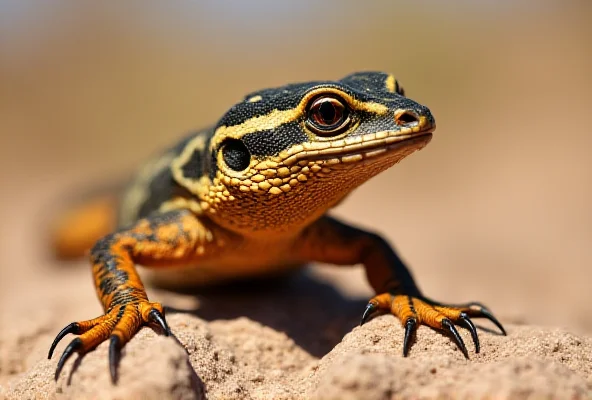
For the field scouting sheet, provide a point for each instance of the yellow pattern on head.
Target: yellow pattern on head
(193, 185)
(254, 99)
(277, 118)
(390, 83)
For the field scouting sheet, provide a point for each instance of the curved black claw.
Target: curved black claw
(70, 349)
(447, 325)
(71, 328)
(156, 317)
(465, 321)
(370, 308)
(114, 355)
(484, 312)
(410, 327)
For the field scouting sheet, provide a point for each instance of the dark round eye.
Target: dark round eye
(327, 115)
(236, 155)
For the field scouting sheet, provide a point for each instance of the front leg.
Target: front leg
(331, 241)
(173, 238)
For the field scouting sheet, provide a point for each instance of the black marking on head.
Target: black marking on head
(213, 167)
(193, 169)
(199, 164)
(363, 86)
(367, 82)
(281, 99)
(367, 87)
(271, 142)
(284, 98)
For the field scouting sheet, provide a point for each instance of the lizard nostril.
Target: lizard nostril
(406, 118)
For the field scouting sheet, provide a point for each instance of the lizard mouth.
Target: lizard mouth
(363, 147)
(373, 149)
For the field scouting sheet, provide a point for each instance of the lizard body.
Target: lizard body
(249, 196)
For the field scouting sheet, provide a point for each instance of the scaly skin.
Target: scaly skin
(249, 196)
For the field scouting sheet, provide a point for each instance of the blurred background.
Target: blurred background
(497, 208)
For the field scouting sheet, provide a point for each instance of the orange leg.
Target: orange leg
(168, 239)
(331, 241)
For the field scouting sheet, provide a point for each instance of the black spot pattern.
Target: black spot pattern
(193, 169)
(369, 82)
(271, 142)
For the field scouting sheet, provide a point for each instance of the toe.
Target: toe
(482, 312)
(76, 328)
(473, 310)
(157, 318)
(70, 328)
(114, 356)
(448, 326)
(371, 307)
(74, 346)
(466, 322)
(410, 328)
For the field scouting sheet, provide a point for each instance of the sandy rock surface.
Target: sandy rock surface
(297, 340)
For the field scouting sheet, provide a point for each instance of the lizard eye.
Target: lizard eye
(327, 116)
(236, 155)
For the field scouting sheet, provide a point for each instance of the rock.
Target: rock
(243, 359)
(529, 363)
(295, 340)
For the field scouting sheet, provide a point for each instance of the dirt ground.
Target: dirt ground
(495, 209)
(282, 339)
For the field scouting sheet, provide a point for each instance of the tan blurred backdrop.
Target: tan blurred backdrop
(496, 208)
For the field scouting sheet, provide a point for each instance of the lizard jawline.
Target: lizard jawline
(372, 149)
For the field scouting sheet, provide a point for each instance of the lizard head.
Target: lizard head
(281, 157)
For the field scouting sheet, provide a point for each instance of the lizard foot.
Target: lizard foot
(119, 324)
(414, 311)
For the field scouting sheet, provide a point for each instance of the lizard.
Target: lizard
(250, 196)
